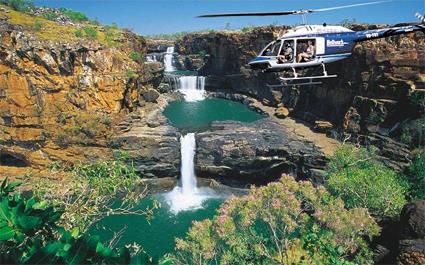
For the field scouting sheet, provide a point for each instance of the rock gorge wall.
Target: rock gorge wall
(60, 100)
(376, 97)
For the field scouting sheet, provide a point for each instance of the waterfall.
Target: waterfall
(187, 196)
(188, 178)
(192, 87)
(168, 60)
(151, 58)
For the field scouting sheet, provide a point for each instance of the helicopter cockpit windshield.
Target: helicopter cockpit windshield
(272, 49)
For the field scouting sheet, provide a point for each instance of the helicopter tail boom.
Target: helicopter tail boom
(386, 32)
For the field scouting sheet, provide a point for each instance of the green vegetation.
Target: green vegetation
(19, 5)
(50, 15)
(285, 222)
(84, 128)
(91, 193)
(247, 29)
(203, 53)
(90, 32)
(416, 177)
(135, 56)
(356, 177)
(131, 74)
(29, 234)
(38, 25)
(74, 15)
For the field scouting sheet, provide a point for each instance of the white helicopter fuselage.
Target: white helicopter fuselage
(327, 44)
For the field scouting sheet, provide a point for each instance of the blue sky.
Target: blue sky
(149, 17)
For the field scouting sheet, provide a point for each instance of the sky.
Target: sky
(150, 17)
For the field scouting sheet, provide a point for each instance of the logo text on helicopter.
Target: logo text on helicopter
(336, 43)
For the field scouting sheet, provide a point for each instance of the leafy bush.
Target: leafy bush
(78, 33)
(50, 15)
(19, 5)
(38, 25)
(361, 181)
(416, 177)
(90, 32)
(135, 56)
(29, 234)
(84, 128)
(285, 222)
(74, 15)
(203, 53)
(97, 189)
(247, 29)
(131, 73)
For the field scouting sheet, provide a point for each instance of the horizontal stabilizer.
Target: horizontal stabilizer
(421, 17)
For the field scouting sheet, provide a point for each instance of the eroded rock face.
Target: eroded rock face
(255, 152)
(412, 234)
(44, 84)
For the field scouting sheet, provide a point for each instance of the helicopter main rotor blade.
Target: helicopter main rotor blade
(348, 6)
(294, 12)
(250, 14)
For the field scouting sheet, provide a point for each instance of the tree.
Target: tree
(285, 222)
(361, 181)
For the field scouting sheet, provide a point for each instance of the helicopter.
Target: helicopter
(308, 46)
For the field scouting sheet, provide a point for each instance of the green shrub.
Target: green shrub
(135, 56)
(29, 234)
(38, 26)
(131, 73)
(84, 128)
(74, 15)
(90, 32)
(78, 33)
(19, 5)
(50, 15)
(203, 53)
(285, 222)
(247, 29)
(416, 177)
(361, 181)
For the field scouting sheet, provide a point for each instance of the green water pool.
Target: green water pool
(158, 235)
(198, 115)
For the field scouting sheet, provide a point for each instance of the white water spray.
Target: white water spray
(192, 87)
(187, 196)
(168, 60)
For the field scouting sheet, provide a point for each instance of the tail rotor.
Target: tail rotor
(420, 17)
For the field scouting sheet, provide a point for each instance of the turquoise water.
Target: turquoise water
(158, 236)
(198, 115)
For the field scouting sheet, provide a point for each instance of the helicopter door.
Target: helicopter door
(306, 50)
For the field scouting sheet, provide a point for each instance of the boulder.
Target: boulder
(281, 112)
(256, 152)
(322, 126)
(412, 220)
(150, 95)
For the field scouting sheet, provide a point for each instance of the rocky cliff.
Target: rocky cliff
(377, 97)
(60, 99)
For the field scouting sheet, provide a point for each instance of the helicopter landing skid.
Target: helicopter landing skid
(307, 77)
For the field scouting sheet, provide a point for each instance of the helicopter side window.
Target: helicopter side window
(272, 49)
(306, 50)
(286, 54)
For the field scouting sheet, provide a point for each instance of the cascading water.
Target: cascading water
(168, 60)
(187, 195)
(192, 87)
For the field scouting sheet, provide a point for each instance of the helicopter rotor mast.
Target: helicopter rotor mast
(302, 12)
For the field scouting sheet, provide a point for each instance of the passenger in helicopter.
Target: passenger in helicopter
(287, 53)
(308, 54)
